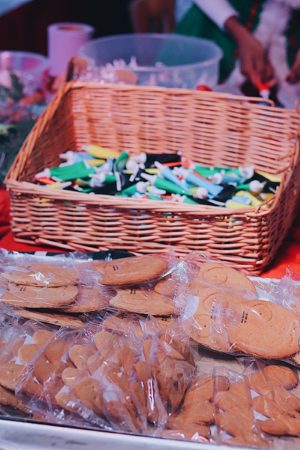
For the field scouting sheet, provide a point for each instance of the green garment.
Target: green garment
(196, 23)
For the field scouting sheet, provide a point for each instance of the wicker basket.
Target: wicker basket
(212, 129)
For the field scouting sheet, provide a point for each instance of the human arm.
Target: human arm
(253, 58)
(294, 75)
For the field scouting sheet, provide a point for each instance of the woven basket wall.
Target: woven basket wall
(208, 128)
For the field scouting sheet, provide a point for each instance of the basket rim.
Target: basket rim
(24, 187)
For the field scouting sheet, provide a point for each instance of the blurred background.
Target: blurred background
(23, 23)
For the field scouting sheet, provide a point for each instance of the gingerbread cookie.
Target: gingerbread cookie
(13, 376)
(203, 320)
(39, 339)
(88, 392)
(227, 324)
(167, 286)
(262, 380)
(56, 350)
(66, 399)
(123, 325)
(173, 378)
(59, 320)
(89, 299)
(133, 271)
(175, 347)
(214, 275)
(31, 354)
(279, 406)
(263, 329)
(71, 376)
(42, 275)
(235, 415)
(36, 297)
(9, 399)
(172, 372)
(201, 392)
(143, 302)
(80, 353)
(155, 410)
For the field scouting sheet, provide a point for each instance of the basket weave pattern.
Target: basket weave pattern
(208, 128)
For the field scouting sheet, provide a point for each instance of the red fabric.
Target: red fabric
(288, 256)
(7, 242)
(4, 212)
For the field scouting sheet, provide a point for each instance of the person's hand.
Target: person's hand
(253, 57)
(294, 75)
(153, 15)
(254, 61)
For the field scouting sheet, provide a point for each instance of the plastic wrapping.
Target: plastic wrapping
(143, 285)
(234, 412)
(136, 366)
(223, 312)
(61, 284)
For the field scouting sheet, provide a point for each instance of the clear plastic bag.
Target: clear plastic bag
(142, 371)
(224, 313)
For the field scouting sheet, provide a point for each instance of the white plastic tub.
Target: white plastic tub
(167, 60)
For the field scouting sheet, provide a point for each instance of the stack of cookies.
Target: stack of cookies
(52, 293)
(55, 294)
(140, 375)
(123, 374)
(139, 285)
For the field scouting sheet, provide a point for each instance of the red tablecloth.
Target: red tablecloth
(288, 255)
